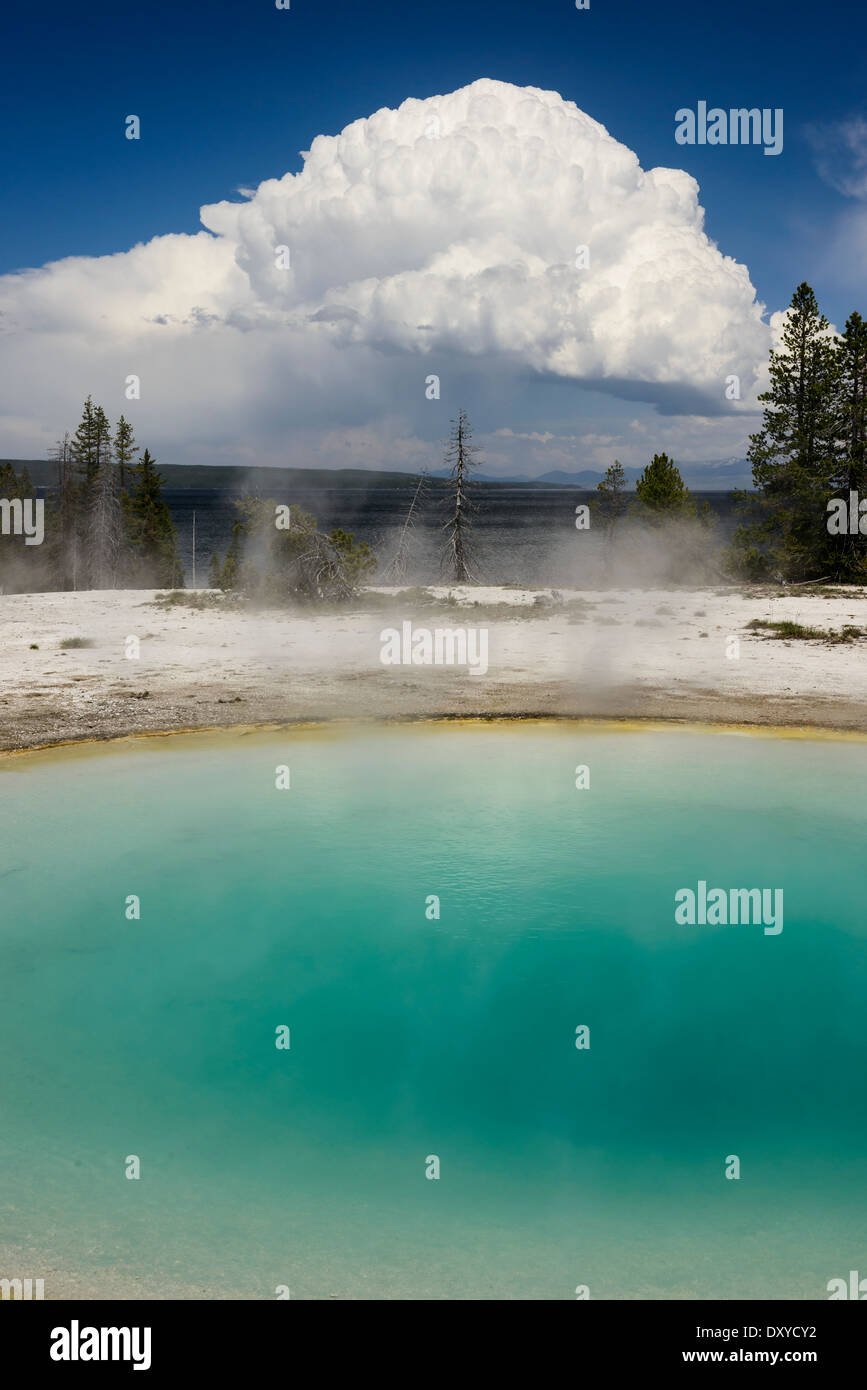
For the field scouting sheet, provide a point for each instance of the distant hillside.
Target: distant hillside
(717, 475)
(242, 478)
(43, 472)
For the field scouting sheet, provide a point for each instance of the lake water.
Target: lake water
(413, 1036)
(521, 535)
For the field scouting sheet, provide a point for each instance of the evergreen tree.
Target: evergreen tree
(103, 451)
(89, 450)
(295, 563)
(83, 448)
(151, 530)
(91, 444)
(230, 571)
(358, 561)
(215, 572)
(125, 449)
(23, 568)
(852, 380)
(612, 502)
(462, 458)
(65, 544)
(662, 491)
(799, 428)
(848, 558)
(794, 455)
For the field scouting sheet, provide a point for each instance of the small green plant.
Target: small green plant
(68, 642)
(185, 598)
(785, 628)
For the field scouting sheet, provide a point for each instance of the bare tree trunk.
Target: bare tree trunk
(397, 568)
(106, 528)
(462, 457)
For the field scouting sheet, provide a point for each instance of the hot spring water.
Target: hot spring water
(505, 1069)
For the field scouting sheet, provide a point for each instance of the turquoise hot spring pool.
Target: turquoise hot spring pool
(432, 911)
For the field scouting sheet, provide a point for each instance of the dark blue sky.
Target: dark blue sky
(229, 91)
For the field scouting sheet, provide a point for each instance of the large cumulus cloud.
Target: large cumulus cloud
(445, 230)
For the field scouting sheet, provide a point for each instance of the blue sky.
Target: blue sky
(230, 93)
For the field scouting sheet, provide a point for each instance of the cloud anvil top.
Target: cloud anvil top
(497, 224)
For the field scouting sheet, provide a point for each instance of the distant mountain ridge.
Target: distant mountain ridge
(709, 474)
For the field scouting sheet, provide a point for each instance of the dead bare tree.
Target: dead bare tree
(462, 458)
(320, 570)
(106, 526)
(396, 571)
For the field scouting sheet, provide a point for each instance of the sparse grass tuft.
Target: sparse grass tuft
(69, 642)
(185, 598)
(786, 629)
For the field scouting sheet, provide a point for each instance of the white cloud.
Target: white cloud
(685, 438)
(840, 153)
(533, 435)
(409, 255)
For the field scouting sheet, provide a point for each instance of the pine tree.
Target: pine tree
(83, 448)
(230, 571)
(848, 558)
(299, 563)
(852, 364)
(357, 560)
(612, 503)
(23, 568)
(151, 530)
(125, 449)
(662, 491)
(66, 541)
(794, 455)
(799, 427)
(91, 444)
(103, 452)
(462, 458)
(90, 449)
